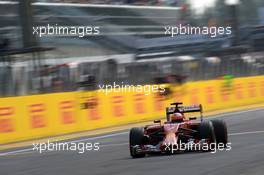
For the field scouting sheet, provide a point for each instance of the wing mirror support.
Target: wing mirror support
(192, 118)
(157, 121)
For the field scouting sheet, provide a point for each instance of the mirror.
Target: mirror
(192, 118)
(157, 121)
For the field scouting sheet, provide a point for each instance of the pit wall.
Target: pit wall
(37, 116)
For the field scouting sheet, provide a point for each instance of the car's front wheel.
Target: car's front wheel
(206, 132)
(136, 137)
(220, 130)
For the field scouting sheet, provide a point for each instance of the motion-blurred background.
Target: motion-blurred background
(131, 47)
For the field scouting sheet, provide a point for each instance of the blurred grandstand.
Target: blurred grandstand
(131, 47)
(119, 2)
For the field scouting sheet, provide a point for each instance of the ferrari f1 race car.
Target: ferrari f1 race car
(178, 134)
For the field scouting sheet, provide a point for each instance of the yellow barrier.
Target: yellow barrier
(28, 117)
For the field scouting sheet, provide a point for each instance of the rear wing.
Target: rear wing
(192, 108)
(183, 109)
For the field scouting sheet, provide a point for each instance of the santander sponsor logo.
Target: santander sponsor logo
(170, 130)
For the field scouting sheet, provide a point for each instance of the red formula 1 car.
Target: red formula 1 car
(178, 133)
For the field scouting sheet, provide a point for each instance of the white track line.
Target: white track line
(28, 150)
(99, 137)
(114, 144)
(232, 134)
(235, 113)
(245, 133)
(15, 152)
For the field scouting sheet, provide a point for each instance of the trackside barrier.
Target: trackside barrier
(28, 117)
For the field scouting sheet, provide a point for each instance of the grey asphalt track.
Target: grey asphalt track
(246, 156)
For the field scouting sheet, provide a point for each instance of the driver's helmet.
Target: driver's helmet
(177, 117)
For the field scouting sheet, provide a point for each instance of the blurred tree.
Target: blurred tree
(248, 12)
(207, 16)
(220, 12)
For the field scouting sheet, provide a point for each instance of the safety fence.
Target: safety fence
(37, 116)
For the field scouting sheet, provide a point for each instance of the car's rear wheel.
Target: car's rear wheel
(206, 131)
(136, 137)
(220, 131)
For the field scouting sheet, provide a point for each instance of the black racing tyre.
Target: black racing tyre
(206, 131)
(136, 137)
(220, 131)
